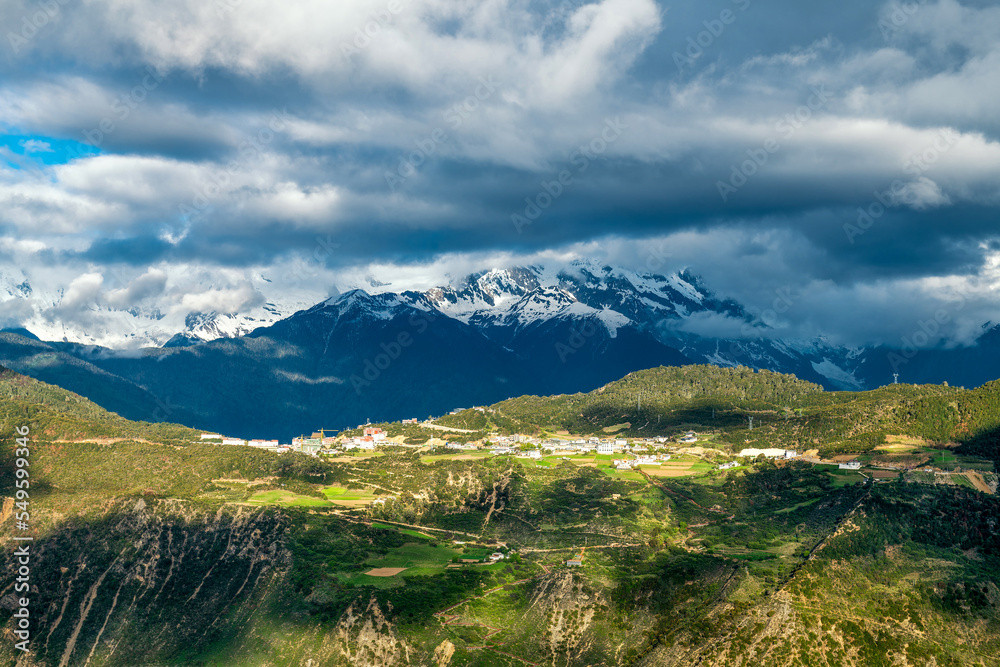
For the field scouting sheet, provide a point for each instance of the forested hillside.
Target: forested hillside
(151, 548)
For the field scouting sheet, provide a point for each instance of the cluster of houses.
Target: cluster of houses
(306, 446)
(511, 444)
(371, 436)
(769, 453)
(645, 460)
(311, 445)
(752, 453)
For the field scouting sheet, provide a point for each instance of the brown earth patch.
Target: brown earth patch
(385, 571)
(978, 482)
(674, 471)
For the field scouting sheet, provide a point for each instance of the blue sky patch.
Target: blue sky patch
(20, 150)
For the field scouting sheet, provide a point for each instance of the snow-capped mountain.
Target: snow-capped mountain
(521, 308)
(375, 353)
(640, 297)
(98, 312)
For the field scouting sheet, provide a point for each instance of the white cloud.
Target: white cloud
(35, 146)
(149, 285)
(224, 300)
(83, 293)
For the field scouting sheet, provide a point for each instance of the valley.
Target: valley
(439, 551)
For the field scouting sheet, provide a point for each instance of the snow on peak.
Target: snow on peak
(495, 294)
(545, 303)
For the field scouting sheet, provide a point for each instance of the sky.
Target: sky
(167, 155)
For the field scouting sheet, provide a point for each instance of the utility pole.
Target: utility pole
(750, 419)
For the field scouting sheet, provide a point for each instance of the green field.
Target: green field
(797, 506)
(286, 499)
(845, 478)
(340, 495)
(458, 456)
(403, 531)
(419, 558)
(962, 480)
(630, 475)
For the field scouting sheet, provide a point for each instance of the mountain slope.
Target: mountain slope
(172, 552)
(522, 330)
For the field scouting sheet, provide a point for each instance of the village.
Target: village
(646, 451)
(634, 452)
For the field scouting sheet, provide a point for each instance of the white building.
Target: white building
(605, 448)
(727, 466)
(233, 441)
(211, 436)
(850, 465)
(264, 444)
(768, 453)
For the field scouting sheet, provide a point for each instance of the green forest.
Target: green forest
(153, 548)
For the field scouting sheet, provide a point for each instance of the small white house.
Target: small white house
(850, 465)
(768, 453)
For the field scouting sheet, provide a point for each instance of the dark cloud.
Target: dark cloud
(768, 130)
